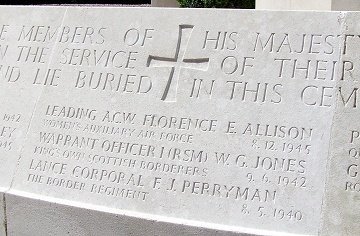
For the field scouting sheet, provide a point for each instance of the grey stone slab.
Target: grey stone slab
(145, 141)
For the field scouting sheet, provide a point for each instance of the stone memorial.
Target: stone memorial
(121, 121)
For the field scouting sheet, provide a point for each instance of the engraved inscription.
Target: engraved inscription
(244, 138)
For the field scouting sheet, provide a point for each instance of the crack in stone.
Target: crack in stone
(5, 215)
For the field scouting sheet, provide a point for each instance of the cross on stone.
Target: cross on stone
(177, 63)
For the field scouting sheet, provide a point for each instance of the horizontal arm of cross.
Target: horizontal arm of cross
(160, 62)
(196, 64)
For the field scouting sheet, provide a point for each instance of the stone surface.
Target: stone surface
(16, 77)
(341, 210)
(53, 219)
(128, 167)
(164, 3)
(221, 121)
(327, 5)
(16, 93)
